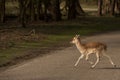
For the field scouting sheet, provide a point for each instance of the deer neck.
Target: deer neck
(80, 46)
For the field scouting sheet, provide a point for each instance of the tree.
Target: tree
(113, 7)
(100, 3)
(71, 9)
(2, 12)
(47, 8)
(23, 7)
(32, 10)
(79, 9)
(118, 6)
(56, 10)
(74, 9)
(39, 9)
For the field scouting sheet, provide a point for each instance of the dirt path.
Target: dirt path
(60, 65)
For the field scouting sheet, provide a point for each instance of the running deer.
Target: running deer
(96, 48)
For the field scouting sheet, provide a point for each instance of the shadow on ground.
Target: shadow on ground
(115, 68)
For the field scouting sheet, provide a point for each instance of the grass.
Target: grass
(57, 35)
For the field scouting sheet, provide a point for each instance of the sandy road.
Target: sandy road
(60, 64)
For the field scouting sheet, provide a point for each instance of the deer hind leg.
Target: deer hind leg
(98, 59)
(79, 59)
(104, 54)
(87, 56)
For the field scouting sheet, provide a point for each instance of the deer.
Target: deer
(88, 48)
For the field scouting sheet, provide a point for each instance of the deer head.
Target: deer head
(75, 39)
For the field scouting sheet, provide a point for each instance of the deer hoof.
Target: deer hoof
(92, 66)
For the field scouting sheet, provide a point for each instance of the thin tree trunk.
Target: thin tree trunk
(2, 12)
(48, 10)
(113, 7)
(56, 10)
(22, 14)
(100, 3)
(23, 20)
(32, 16)
(45, 11)
(39, 9)
(118, 6)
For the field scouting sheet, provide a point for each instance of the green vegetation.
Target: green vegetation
(31, 28)
(55, 35)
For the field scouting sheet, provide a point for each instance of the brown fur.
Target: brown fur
(89, 48)
(95, 45)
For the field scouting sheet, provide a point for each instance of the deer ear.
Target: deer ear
(77, 36)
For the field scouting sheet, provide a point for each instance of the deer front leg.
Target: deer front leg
(82, 55)
(87, 56)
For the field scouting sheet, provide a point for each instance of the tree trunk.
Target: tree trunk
(22, 13)
(48, 10)
(100, 3)
(74, 9)
(79, 9)
(2, 12)
(118, 6)
(46, 3)
(72, 12)
(56, 10)
(39, 9)
(23, 20)
(32, 9)
(113, 7)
